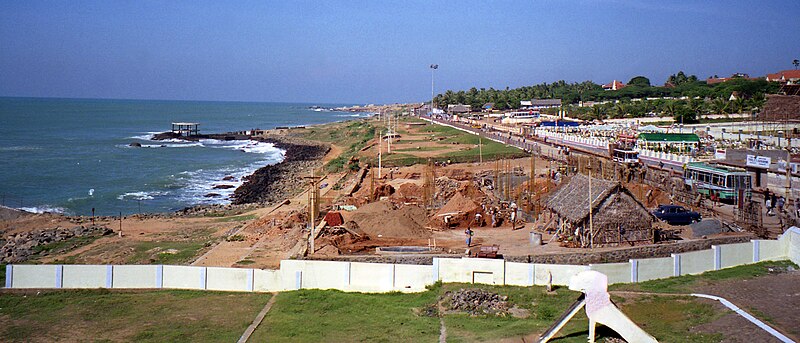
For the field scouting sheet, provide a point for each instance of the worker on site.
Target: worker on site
(469, 233)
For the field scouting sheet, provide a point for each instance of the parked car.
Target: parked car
(676, 215)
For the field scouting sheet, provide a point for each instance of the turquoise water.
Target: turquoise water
(72, 155)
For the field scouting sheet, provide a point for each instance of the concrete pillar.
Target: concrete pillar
(756, 250)
(435, 269)
(109, 276)
(9, 275)
(250, 274)
(298, 279)
(160, 276)
(717, 257)
(59, 276)
(203, 277)
(634, 270)
(676, 264)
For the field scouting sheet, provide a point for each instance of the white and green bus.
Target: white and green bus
(725, 181)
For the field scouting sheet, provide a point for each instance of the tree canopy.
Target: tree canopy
(640, 81)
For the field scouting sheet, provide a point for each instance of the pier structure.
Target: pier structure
(186, 129)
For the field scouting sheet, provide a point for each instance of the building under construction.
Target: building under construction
(616, 218)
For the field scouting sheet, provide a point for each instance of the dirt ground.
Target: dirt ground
(774, 298)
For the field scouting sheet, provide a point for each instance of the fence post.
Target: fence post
(717, 257)
(250, 280)
(203, 278)
(160, 276)
(634, 270)
(756, 250)
(531, 273)
(59, 276)
(435, 269)
(109, 276)
(9, 275)
(298, 279)
(676, 264)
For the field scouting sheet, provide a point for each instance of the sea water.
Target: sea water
(72, 155)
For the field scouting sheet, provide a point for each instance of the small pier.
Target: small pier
(186, 129)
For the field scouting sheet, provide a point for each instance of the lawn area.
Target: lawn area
(165, 252)
(688, 283)
(142, 316)
(240, 218)
(334, 316)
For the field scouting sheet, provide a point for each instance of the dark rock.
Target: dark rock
(223, 186)
(212, 195)
(228, 178)
(135, 144)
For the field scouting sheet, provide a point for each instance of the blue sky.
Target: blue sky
(375, 51)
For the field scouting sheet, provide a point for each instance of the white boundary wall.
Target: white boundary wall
(384, 277)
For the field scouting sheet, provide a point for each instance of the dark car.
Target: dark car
(676, 215)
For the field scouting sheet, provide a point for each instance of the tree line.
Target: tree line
(702, 98)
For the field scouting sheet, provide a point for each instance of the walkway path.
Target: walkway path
(257, 321)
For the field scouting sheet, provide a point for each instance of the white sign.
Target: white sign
(758, 161)
(720, 154)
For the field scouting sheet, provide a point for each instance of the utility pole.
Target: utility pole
(433, 68)
(480, 148)
(380, 151)
(591, 226)
(313, 204)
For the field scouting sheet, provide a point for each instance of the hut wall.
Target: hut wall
(620, 219)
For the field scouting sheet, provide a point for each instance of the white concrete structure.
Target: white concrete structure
(384, 277)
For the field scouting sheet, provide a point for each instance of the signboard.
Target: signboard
(758, 161)
(720, 154)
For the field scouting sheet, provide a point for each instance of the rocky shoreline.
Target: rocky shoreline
(274, 183)
(268, 184)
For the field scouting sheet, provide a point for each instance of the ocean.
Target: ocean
(72, 155)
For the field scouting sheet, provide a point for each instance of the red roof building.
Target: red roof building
(614, 85)
(785, 76)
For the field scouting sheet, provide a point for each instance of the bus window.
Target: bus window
(729, 182)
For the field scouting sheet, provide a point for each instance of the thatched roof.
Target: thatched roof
(571, 200)
(781, 107)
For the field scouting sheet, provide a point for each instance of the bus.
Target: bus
(625, 156)
(725, 181)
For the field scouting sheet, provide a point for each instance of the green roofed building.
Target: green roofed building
(668, 142)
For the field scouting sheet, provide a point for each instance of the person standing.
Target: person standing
(469, 233)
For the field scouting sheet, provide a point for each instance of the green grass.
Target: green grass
(156, 252)
(422, 148)
(686, 283)
(334, 316)
(142, 316)
(62, 246)
(236, 218)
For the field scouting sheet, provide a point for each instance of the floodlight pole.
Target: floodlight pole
(591, 226)
(433, 68)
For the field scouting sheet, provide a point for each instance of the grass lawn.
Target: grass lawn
(334, 316)
(142, 316)
(165, 252)
(687, 283)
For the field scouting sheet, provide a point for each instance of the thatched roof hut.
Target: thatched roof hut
(617, 217)
(781, 107)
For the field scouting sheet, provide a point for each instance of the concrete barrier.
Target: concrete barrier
(696, 262)
(519, 274)
(35, 276)
(184, 277)
(616, 272)
(229, 279)
(378, 277)
(654, 268)
(86, 276)
(136, 276)
(732, 255)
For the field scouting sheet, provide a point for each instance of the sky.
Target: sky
(376, 51)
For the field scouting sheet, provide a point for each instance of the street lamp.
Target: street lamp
(433, 68)
(723, 134)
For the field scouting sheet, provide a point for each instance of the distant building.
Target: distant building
(458, 109)
(786, 76)
(614, 85)
(781, 108)
(538, 104)
(715, 80)
(668, 142)
(488, 107)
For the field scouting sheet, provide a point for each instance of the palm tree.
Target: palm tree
(719, 105)
(796, 63)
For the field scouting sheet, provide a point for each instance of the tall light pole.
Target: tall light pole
(433, 68)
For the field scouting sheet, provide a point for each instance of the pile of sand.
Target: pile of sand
(380, 218)
(410, 190)
(461, 209)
